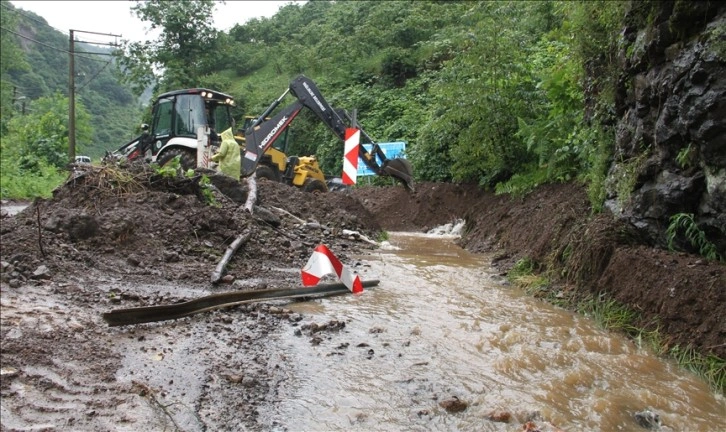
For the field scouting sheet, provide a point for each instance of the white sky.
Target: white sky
(115, 17)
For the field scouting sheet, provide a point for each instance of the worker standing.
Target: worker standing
(228, 157)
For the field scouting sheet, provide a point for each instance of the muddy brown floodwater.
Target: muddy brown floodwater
(442, 326)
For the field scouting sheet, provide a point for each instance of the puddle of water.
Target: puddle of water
(439, 325)
(13, 209)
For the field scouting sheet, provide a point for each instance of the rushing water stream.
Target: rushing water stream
(442, 324)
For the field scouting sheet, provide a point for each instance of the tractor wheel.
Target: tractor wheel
(187, 159)
(267, 173)
(314, 186)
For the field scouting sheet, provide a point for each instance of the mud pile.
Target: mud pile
(140, 225)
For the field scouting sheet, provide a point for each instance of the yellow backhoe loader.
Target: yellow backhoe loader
(262, 133)
(301, 171)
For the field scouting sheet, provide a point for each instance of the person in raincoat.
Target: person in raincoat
(228, 157)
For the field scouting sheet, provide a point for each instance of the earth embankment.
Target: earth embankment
(583, 254)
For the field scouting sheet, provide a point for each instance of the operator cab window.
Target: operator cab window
(219, 117)
(161, 123)
(189, 115)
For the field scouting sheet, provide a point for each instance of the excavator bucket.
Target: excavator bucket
(401, 170)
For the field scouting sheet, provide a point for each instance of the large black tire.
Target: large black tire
(267, 173)
(314, 186)
(187, 160)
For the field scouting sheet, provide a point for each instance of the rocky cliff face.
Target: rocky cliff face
(670, 154)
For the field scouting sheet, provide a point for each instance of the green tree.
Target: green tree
(12, 58)
(181, 55)
(479, 94)
(41, 137)
(34, 152)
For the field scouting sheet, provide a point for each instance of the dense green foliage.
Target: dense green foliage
(34, 90)
(494, 93)
(684, 222)
(485, 92)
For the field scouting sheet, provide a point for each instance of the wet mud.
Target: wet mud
(99, 245)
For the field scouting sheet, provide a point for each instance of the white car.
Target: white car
(83, 160)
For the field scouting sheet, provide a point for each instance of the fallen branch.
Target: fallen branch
(358, 236)
(219, 270)
(252, 193)
(285, 212)
(40, 230)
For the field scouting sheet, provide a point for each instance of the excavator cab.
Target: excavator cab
(185, 124)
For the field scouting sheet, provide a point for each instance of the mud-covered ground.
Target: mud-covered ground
(120, 239)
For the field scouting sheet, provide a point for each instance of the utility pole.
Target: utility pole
(17, 98)
(72, 88)
(71, 102)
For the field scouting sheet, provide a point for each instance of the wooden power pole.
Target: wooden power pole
(72, 88)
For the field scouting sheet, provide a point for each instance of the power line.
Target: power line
(94, 76)
(65, 32)
(52, 47)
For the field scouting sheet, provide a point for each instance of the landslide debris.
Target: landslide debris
(137, 223)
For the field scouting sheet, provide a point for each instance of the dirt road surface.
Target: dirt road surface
(111, 239)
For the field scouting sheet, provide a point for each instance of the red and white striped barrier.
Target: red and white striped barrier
(350, 156)
(322, 262)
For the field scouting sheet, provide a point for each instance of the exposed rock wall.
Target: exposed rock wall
(670, 154)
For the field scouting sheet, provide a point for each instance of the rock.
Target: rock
(235, 379)
(81, 227)
(647, 419)
(453, 405)
(672, 115)
(41, 272)
(313, 226)
(499, 416)
(171, 257)
(133, 259)
(530, 427)
(266, 215)
(8, 371)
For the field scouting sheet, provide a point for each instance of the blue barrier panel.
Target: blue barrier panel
(391, 150)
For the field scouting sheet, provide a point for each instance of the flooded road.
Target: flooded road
(442, 325)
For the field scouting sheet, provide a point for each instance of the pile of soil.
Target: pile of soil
(145, 227)
(124, 238)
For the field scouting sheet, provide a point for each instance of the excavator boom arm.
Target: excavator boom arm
(260, 137)
(263, 133)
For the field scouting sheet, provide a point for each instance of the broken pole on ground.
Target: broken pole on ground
(148, 314)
